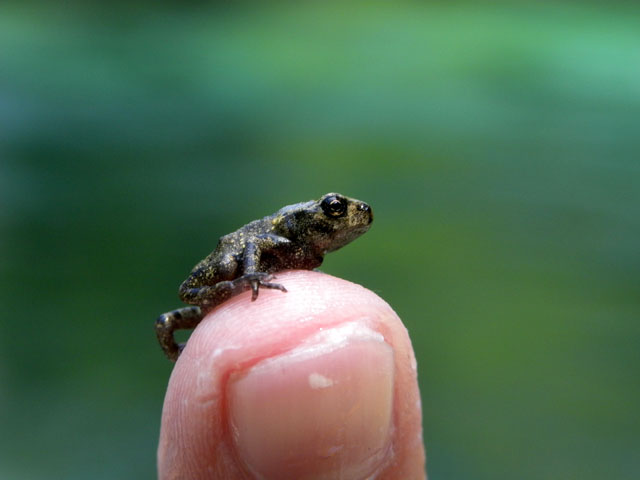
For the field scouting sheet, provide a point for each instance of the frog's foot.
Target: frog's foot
(257, 280)
(168, 323)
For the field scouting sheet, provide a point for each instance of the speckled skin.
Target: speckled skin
(295, 237)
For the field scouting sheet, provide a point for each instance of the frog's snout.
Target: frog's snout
(366, 209)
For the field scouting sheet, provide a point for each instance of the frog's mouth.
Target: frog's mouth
(348, 235)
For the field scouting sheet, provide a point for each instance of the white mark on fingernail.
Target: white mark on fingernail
(319, 381)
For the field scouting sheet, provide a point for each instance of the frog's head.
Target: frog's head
(328, 223)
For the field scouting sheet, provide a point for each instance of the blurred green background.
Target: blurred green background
(499, 148)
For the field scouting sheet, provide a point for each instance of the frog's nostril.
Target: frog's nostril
(367, 209)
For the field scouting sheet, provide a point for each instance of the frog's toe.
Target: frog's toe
(257, 280)
(255, 289)
(275, 286)
(255, 286)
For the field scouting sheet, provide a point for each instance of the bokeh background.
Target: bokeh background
(498, 145)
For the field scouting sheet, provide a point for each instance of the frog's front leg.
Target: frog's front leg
(210, 296)
(251, 263)
(168, 323)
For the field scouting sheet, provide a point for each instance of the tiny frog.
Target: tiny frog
(295, 237)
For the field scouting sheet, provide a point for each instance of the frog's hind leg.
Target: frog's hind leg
(168, 323)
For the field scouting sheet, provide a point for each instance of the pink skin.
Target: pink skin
(316, 383)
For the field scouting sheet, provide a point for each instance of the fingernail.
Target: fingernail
(320, 411)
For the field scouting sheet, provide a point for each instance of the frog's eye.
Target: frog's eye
(334, 206)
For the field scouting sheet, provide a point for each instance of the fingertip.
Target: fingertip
(315, 381)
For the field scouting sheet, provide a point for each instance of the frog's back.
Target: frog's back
(234, 243)
(248, 232)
